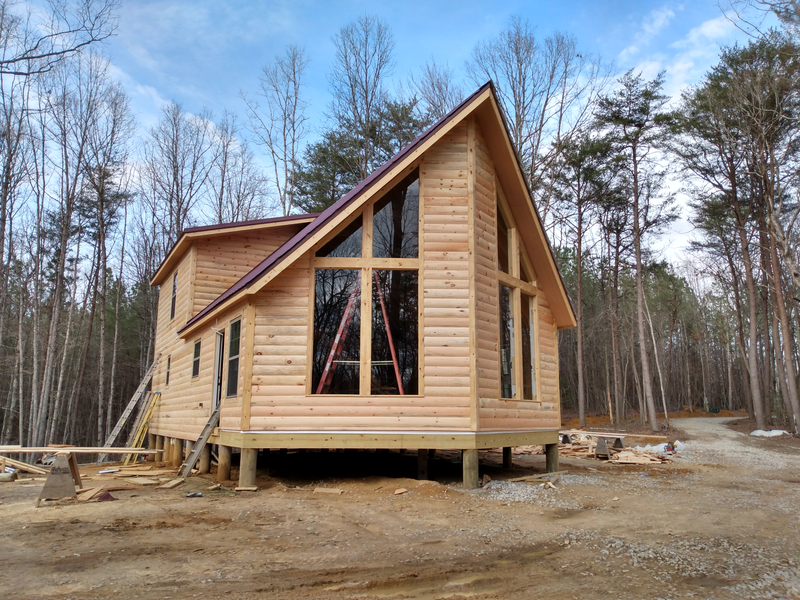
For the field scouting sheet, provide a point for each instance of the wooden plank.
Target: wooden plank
(73, 450)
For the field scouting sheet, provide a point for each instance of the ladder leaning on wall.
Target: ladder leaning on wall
(134, 401)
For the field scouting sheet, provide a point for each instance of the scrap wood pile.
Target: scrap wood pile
(105, 480)
(584, 445)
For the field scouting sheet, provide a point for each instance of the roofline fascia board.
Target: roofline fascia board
(345, 213)
(180, 247)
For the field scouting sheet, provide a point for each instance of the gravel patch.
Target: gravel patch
(734, 567)
(713, 443)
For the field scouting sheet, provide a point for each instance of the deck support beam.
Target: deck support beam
(247, 467)
(469, 459)
(223, 463)
(551, 454)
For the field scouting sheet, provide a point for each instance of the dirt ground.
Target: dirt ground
(719, 522)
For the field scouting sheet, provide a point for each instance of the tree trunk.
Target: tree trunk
(786, 337)
(647, 382)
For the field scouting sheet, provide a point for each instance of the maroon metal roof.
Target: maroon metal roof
(298, 239)
(269, 221)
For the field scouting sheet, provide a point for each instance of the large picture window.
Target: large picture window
(371, 265)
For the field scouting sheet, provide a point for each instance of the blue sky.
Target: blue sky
(202, 53)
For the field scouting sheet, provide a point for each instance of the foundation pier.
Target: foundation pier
(469, 459)
(551, 455)
(223, 463)
(507, 458)
(204, 463)
(422, 464)
(247, 467)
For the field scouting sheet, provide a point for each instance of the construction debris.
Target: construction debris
(17, 464)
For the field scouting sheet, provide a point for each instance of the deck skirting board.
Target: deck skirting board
(440, 440)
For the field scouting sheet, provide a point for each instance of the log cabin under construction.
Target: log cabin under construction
(420, 311)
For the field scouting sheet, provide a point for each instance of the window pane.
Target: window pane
(528, 348)
(337, 331)
(174, 296)
(506, 344)
(233, 359)
(233, 376)
(196, 359)
(347, 244)
(394, 301)
(502, 243)
(233, 348)
(169, 364)
(395, 221)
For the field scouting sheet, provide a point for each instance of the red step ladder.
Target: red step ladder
(341, 334)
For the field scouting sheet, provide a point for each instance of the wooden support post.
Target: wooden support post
(223, 463)
(469, 458)
(160, 446)
(507, 458)
(204, 464)
(177, 452)
(422, 464)
(551, 453)
(247, 467)
(151, 445)
(187, 449)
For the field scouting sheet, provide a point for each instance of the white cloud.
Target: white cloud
(655, 22)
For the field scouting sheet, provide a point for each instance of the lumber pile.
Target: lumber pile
(630, 456)
(577, 449)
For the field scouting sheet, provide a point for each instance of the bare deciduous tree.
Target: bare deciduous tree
(281, 127)
(437, 87)
(358, 81)
(238, 188)
(546, 89)
(30, 48)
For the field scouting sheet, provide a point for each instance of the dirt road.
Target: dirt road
(720, 522)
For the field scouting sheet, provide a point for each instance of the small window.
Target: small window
(233, 358)
(528, 315)
(169, 364)
(507, 386)
(196, 360)
(502, 244)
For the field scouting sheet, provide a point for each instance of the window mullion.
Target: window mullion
(365, 370)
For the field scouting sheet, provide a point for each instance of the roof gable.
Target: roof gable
(483, 104)
(189, 234)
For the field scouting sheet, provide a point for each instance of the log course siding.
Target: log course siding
(223, 260)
